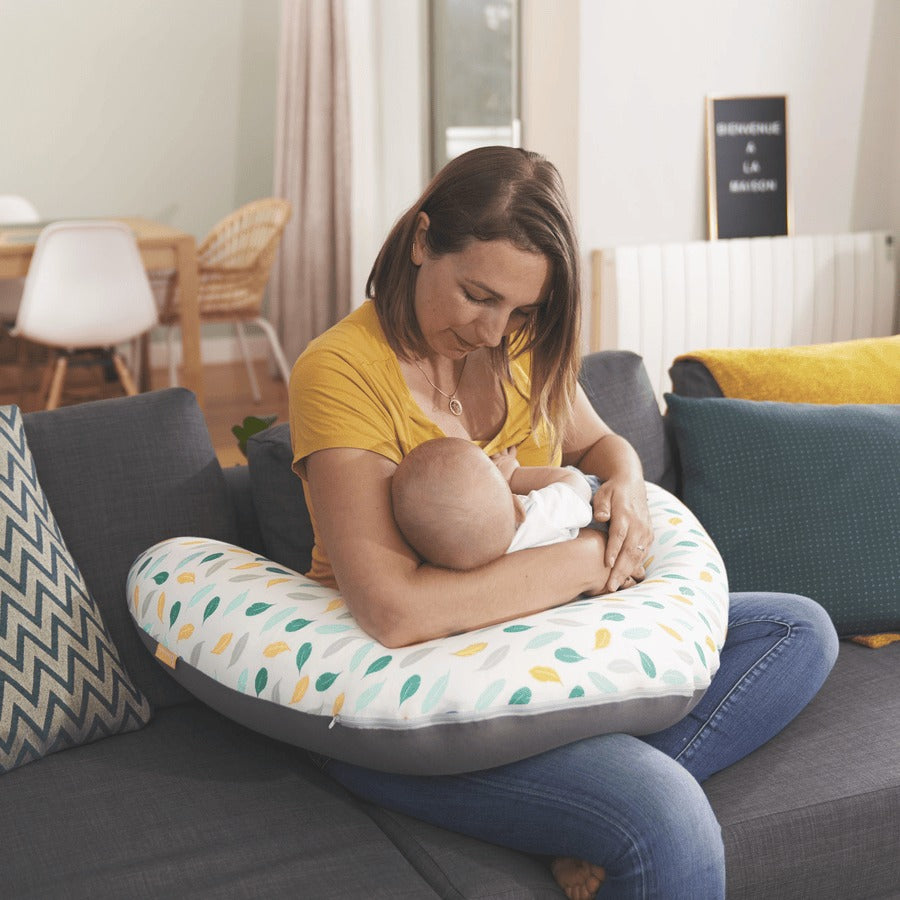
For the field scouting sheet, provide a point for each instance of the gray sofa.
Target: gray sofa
(193, 805)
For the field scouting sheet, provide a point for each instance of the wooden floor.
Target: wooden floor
(228, 397)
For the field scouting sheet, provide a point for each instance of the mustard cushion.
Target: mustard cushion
(862, 371)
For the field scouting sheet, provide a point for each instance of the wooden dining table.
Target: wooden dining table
(162, 248)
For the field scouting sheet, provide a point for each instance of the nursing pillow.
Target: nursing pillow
(282, 655)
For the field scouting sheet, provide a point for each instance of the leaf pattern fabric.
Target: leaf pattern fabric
(265, 631)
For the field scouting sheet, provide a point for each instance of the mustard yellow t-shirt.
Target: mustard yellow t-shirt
(347, 390)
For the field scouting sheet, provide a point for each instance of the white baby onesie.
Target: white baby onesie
(552, 514)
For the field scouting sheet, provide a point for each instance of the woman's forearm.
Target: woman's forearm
(610, 457)
(396, 597)
(427, 602)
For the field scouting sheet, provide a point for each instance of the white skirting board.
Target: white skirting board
(662, 300)
(214, 348)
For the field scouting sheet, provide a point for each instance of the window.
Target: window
(474, 76)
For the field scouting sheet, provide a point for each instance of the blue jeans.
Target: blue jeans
(635, 805)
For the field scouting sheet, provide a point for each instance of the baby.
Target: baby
(460, 509)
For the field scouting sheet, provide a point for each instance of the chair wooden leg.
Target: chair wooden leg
(22, 366)
(141, 355)
(56, 385)
(170, 355)
(46, 377)
(124, 375)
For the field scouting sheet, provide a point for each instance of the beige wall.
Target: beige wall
(551, 85)
(163, 109)
(646, 67)
(166, 108)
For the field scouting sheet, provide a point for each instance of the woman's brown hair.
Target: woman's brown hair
(487, 194)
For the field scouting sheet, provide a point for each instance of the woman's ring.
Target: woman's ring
(640, 547)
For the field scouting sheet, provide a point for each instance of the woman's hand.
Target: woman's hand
(622, 498)
(623, 504)
(601, 572)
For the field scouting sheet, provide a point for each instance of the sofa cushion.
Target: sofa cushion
(691, 378)
(61, 681)
(278, 496)
(459, 866)
(619, 389)
(800, 498)
(240, 496)
(120, 475)
(814, 812)
(191, 806)
(282, 654)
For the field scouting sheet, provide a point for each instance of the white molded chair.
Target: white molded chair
(86, 290)
(234, 261)
(13, 210)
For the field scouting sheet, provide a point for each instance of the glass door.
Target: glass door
(474, 76)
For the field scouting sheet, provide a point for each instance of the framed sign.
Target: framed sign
(747, 166)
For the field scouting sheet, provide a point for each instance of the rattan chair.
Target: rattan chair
(234, 263)
(86, 292)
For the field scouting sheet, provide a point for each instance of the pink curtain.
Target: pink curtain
(310, 286)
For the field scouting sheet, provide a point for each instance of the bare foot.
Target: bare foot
(579, 879)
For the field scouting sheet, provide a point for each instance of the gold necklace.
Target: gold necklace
(454, 404)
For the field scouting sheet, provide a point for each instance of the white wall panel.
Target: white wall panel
(663, 300)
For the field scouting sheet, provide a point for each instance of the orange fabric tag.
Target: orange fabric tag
(876, 640)
(166, 656)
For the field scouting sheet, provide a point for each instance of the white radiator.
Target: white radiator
(662, 300)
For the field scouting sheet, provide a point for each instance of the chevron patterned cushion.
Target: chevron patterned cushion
(61, 681)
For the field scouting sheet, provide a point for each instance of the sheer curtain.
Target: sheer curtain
(310, 288)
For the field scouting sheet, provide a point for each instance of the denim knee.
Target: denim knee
(821, 628)
(671, 844)
(807, 620)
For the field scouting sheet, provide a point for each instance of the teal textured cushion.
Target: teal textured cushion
(799, 497)
(61, 680)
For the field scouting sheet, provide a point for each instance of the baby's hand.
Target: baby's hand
(506, 462)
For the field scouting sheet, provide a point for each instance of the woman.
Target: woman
(472, 330)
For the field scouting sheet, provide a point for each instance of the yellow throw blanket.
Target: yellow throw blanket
(863, 371)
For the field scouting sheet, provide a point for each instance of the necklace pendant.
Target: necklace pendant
(455, 406)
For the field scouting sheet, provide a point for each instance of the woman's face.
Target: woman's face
(473, 298)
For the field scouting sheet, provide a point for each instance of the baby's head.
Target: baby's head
(452, 504)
